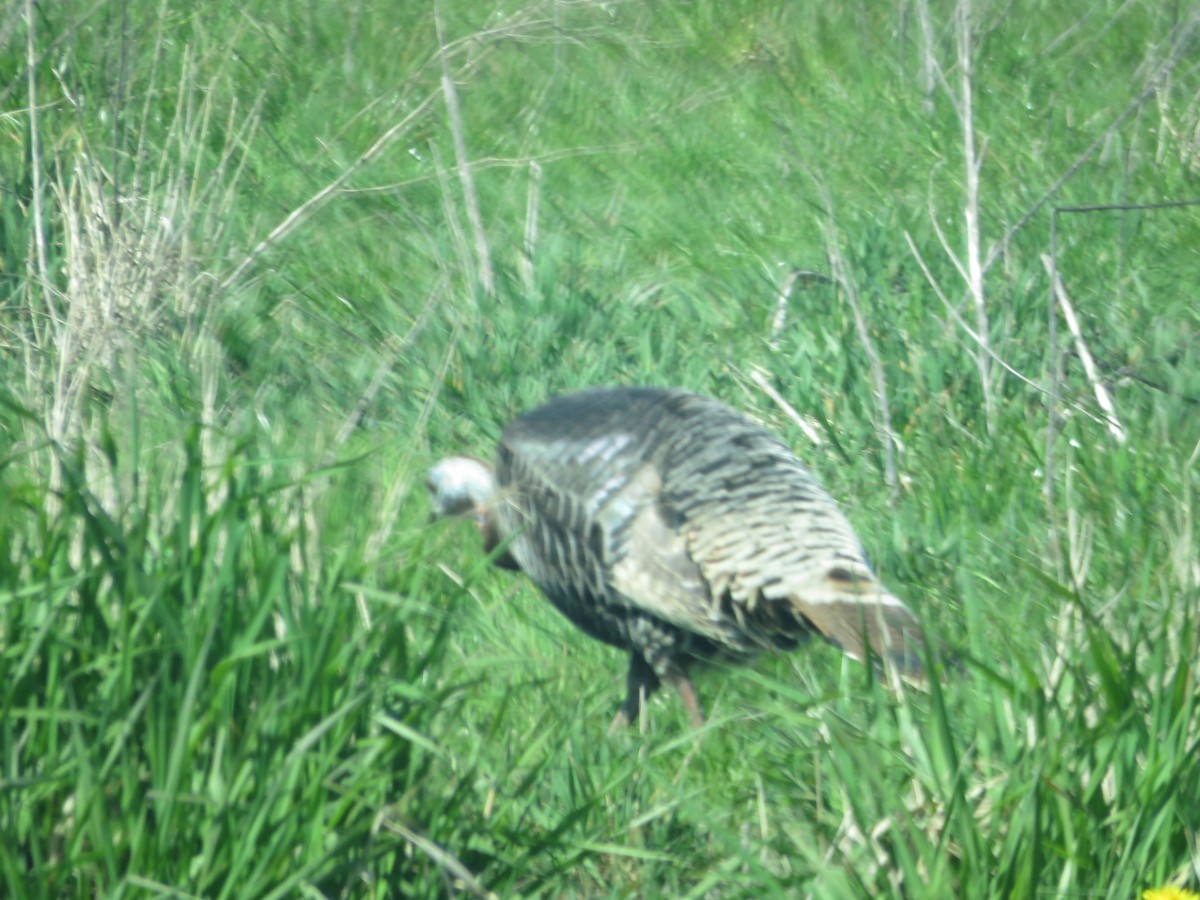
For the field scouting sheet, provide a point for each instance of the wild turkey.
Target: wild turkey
(666, 524)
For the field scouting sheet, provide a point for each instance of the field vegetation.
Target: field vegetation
(262, 263)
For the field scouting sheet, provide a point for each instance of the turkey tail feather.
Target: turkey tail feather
(864, 627)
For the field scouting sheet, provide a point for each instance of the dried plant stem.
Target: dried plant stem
(973, 161)
(958, 319)
(35, 165)
(398, 489)
(785, 295)
(1054, 363)
(483, 258)
(1103, 397)
(313, 203)
(1054, 355)
(395, 352)
(781, 307)
(462, 251)
(810, 429)
(929, 66)
(499, 162)
(452, 866)
(841, 275)
(1179, 51)
(532, 205)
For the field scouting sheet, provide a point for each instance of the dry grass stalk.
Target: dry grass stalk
(532, 204)
(1180, 49)
(398, 487)
(122, 281)
(973, 162)
(1103, 397)
(483, 256)
(781, 308)
(459, 877)
(35, 150)
(841, 275)
(929, 66)
(810, 428)
(306, 209)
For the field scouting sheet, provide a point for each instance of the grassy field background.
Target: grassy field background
(261, 264)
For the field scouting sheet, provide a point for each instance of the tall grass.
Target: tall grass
(260, 267)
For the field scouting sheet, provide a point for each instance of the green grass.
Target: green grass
(237, 660)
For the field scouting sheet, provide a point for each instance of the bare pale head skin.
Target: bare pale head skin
(459, 486)
(465, 486)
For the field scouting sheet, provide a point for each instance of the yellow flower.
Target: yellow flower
(1170, 892)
